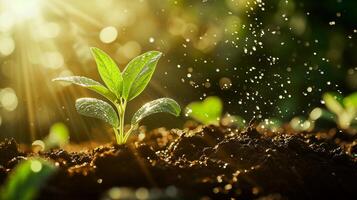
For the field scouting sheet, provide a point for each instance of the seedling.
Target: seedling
(344, 109)
(121, 87)
(209, 111)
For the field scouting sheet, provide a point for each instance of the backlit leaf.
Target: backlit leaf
(138, 73)
(99, 109)
(88, 83)
(109, 71)
(332, 103)
(351, 101)
(208, 111)
(166, 105)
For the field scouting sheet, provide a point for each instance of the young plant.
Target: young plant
(121, 88)
(209, 111)
(344, 108)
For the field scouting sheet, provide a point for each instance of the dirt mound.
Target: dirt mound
(212, 162)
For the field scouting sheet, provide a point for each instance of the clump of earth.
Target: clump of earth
(204, 162)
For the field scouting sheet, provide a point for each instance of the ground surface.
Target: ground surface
(210, 162)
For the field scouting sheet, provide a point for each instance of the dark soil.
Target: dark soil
(205, 163)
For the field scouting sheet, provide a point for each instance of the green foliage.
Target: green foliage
(108, 71)
(333, 102)
(159, 105)
(92, 107)
(138, 73)
(26, 179)
(206, 112)
(90, 84)
(121, 88)
(344, 108)
(350, 102)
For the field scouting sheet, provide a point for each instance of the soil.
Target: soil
(205, 163)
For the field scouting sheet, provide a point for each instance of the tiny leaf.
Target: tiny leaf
(99, 109)
(90, 84)
(332, 103)
(207, 112)
(109, 71)
(26, 179)
(138, 73)
(350, 101)
(159, 105)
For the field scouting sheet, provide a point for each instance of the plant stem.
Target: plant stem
(121, 111)
(117, 138)
(123, 121)
(127, 134)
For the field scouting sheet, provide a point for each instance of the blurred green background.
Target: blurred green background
(263, 58)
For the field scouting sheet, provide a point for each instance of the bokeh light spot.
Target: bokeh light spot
(8, 99)
(108, 34)
(22, 9)
(52, 60)
(36, 166)
(127, 51)
(49, 30)
(142, 193)
(7, 45)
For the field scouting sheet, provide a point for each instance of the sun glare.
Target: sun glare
(21, 9)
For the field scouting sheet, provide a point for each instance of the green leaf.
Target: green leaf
(138, 73)
(26, 179)
(90, 84)
(109, 71)
(207, 112)
(99, 109)
(332, 103)
(159, 105)
(350, 101)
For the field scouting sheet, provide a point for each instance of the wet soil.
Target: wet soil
(205, 163)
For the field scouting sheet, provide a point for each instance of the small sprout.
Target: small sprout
(26, 179)
(344, 108)
(206, 112)
(119, 89)
(333, 102)
(209, 111)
